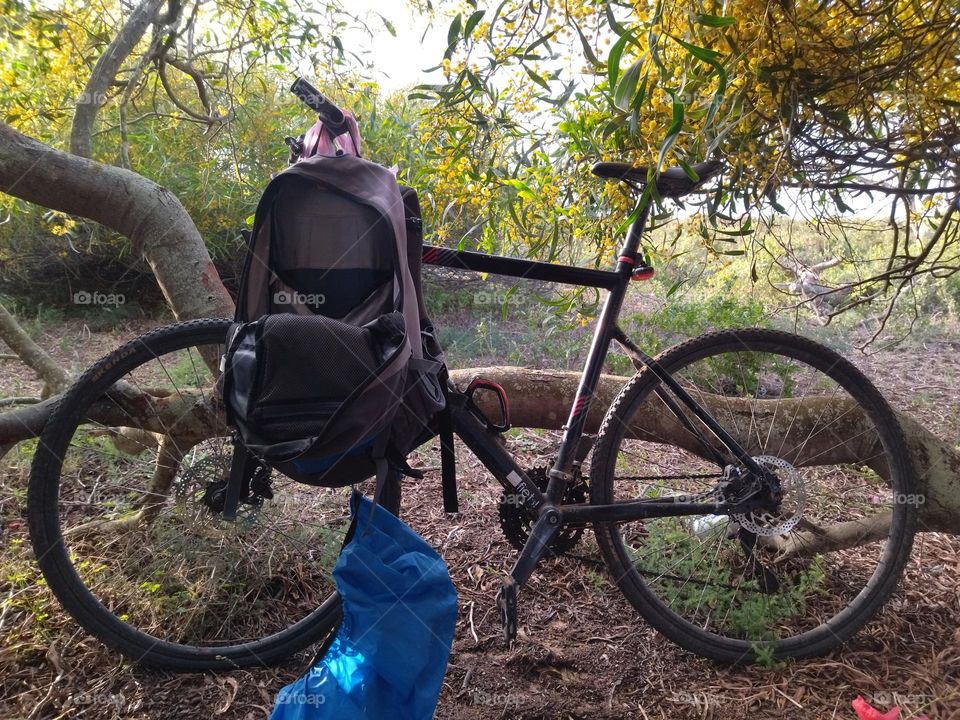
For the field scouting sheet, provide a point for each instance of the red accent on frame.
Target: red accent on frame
(626, 259)
(580, 404)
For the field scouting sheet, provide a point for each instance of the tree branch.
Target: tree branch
(32, 355)
(105, 71)
(149, 215)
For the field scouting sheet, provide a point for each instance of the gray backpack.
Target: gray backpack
(332, 372)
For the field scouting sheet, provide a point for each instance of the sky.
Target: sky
(401, 61)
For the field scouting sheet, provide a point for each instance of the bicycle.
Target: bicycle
(744, 490)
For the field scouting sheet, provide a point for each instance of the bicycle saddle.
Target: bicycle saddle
(671, 183)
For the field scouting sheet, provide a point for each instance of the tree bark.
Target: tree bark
(54, 377)
(105, 71)
(149, 215)
(542, 399)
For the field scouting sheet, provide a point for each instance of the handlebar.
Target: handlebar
(318, 102)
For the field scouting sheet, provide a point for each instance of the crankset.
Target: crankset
(516, 520)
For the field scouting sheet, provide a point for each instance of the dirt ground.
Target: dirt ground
(582, 650)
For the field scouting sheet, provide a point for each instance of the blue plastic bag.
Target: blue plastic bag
(390, 654)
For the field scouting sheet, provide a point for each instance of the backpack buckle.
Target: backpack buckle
(484, 384)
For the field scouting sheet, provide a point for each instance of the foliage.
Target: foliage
(809, 103)
(806, 101)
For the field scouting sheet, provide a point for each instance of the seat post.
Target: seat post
(634, 234)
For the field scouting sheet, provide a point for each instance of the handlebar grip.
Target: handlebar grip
(317, 101)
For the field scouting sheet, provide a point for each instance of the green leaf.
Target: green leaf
(453, 34)
(587, 49)
(690, 172)
(388, 25)
(676, 286)
(472, 22)
(641, 93)
(715, 20)
(612, 21)
(675, 126)
(623, 95)
(536, 78)
(712, 58)
(745, 230)
(613, 62)
(705, 54)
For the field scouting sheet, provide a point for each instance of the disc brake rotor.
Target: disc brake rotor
(764, 522)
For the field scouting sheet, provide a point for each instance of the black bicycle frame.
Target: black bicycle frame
(488, 450)
(475, 433)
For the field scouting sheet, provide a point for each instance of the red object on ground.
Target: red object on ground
(866, 711)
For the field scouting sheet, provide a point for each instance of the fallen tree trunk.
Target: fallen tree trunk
(542, 399)
(151, 216)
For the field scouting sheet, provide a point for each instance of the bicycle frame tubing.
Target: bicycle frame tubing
(615, 282)
(488, 450)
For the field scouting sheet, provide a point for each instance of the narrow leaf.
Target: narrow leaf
(453, 34)
(472, 22)
(674, 130)
(389, 26)
(623, 95)
(613, 61)
(715, 20)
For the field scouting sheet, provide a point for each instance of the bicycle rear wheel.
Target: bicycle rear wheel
(792, 581)
(123, 515)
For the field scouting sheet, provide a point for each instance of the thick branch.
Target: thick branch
(149, 215)
(31, 354)
(104, 73)
(542, 399)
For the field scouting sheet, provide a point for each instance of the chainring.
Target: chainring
(516, 520)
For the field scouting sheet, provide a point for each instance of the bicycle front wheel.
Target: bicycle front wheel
(124, 500)
(794, 578)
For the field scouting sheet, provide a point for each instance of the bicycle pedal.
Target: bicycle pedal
(507, 602)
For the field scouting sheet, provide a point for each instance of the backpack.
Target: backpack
(332, 371)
